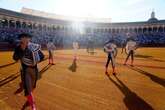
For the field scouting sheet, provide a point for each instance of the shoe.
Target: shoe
(106, 70)
(106, 73)
(114, 73)
(132, 65)
(25, 105)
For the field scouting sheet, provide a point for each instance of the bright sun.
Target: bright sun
(82, 8)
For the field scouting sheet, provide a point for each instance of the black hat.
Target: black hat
(110, 41)
(130, 38)
(24, 35)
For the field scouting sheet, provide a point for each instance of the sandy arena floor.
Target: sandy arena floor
(84, 85)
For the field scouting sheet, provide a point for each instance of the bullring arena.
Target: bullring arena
(83, 85)
(86, 87)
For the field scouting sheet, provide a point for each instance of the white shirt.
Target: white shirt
(110, 47)
(131, 45)
(75, 45)
(51, 46)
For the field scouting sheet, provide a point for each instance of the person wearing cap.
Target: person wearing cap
(51, 47)
(29, 55)
(110, 49)
(131, 46)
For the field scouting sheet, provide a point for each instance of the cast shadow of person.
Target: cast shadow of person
(154, 78)
(9, 79)
(131, 99)
(73, 66)
(3, 66)
(43, 70)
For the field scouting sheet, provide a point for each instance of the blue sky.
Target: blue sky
(117, 10)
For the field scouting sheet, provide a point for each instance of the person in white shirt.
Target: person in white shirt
(110, 49)
(75, 49)
(130, 47)
(51, 47)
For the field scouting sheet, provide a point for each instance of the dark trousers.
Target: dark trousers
(131, 53)
(110, 58)
(29, 76)
(50, 55)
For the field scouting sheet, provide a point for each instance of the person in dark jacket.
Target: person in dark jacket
(29, 55)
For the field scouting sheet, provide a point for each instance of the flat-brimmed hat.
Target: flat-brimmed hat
(24, 35)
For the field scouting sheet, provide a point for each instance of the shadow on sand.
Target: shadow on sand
(3, 66)
(142, 56)
(131, 99)
(154, 78)
(73, 67)
(148, 57)
(44, 70)
(9, 79)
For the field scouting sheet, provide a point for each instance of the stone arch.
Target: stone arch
(18, 24)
